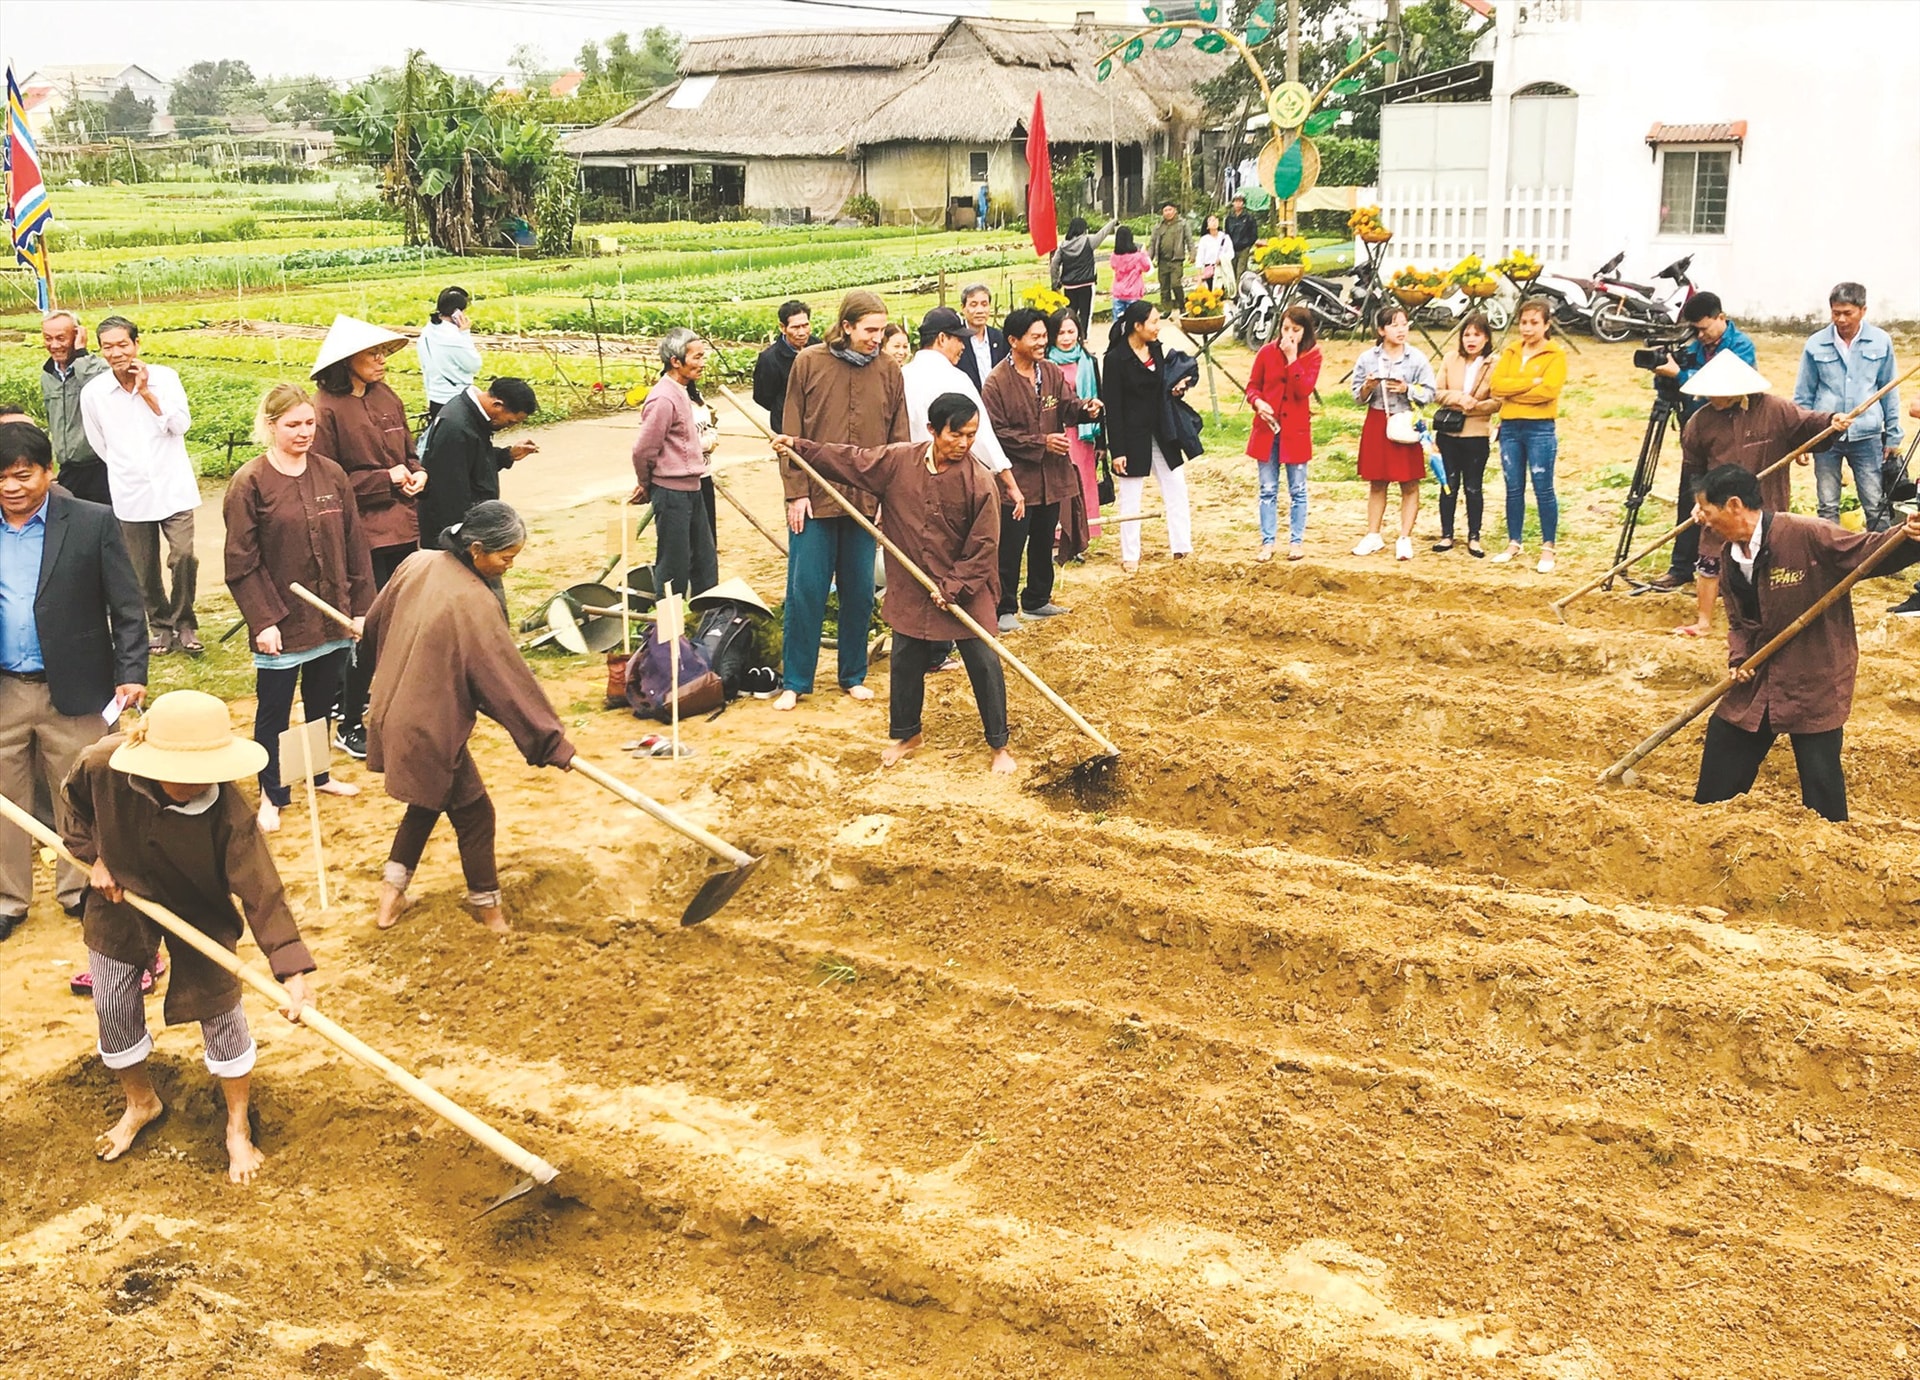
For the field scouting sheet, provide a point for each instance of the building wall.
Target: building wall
(913, 181)
(1824, 188)
(822, 185)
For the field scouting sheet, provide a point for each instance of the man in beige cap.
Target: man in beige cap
(1745, 425)
(154, 811)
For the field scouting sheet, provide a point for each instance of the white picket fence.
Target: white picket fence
(1437, 227)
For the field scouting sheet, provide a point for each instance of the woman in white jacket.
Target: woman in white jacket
(449, 360)
(1213, 249)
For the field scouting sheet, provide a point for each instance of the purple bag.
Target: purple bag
(650, 688)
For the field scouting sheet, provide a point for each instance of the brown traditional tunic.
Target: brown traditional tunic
(948, 524)
(367, 436)
(194, 865)
(443, 655)
(1806, 686)
(1026, 413)
(1751, 435)
(844, 404)
(286, 528)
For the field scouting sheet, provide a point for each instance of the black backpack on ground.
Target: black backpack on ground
(726, 634)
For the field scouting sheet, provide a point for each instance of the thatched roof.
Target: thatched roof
(833, 93)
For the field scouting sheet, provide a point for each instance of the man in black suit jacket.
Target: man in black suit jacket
(976, 304)
(462, 463)
(73, 641)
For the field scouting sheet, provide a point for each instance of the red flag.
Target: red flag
(1040, 218)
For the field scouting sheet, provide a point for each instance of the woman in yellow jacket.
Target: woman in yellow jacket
(1527, 379)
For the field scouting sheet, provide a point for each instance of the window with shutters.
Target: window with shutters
(1693, 191)
(977, 166)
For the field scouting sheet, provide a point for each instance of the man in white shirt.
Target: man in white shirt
(136, 420)
(936, 370)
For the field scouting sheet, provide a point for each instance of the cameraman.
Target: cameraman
(1712, 333)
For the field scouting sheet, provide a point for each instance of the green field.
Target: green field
(191, 261)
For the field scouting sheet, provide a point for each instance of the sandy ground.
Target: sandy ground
(1349, 1032)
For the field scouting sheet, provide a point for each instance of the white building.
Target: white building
(96, 82)
(1777, 142)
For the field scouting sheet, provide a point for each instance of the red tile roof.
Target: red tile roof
(1722, 132)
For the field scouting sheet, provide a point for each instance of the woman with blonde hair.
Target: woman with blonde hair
(291, 518)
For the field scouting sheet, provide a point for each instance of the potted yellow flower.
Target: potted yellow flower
(1366, 226)
(1205, 312)
(1281, 261)
(1472, 278)
(1415, 287)
(1519, 265)
(1043, 299)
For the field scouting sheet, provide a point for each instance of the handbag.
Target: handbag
(1402, 428)
(1448, 421)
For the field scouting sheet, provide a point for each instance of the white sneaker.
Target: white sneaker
(1403, 549)
(1546, 563)
(1501, 558)
(1369, 544)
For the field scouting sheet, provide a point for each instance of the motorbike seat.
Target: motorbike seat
(1644, 289)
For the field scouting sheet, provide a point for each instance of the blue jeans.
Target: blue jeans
(1529, 446)
(1863, 457)
(1270, 502)
(826, 552)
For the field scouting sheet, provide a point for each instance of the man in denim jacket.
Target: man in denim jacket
(1842, 366)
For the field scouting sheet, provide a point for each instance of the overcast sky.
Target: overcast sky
(348, 38)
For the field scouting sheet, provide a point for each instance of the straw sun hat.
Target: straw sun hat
(1726, 375)
(348, 336)
(186, 737)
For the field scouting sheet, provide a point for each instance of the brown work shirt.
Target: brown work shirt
(947, 522)
(367, 436)
(303, 528)
(1753, 436)
(193, 864)
(845, 404)
(1027, 411)
(444, 656)
(1806, 686)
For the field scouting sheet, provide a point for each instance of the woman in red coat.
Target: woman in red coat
(1284, 373)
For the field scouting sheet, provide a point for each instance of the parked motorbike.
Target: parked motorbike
(1446, 312)
(1338, 301)
(1621, 308)
(1254, 313)
(1572, 298)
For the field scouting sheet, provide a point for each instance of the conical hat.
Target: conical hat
(735, 591)
(1726, 375)
(348, 336)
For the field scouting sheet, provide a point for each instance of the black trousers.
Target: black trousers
(1080, 303)
(353, 699)
(908, 665)
(683, 552)
(319, 684)
(1732, 756)
(86, 479)
(1686, 546)
(1465, 458)
(1031, 536)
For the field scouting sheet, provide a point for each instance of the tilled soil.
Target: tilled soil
(1346, 1031)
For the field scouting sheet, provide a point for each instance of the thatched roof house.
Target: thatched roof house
(918, 119)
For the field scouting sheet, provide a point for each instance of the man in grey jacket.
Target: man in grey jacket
(69, 368)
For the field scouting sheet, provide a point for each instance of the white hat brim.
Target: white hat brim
(735, 590)
(348, 336)
(233, 761)
(1726, 375)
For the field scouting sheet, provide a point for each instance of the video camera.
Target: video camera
(1660, 345)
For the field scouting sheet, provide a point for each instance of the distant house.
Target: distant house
(96, 82)
(567, 85)
(917, 119)
(1568, 137)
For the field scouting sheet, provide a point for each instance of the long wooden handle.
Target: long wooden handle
(432, 1099)
(1838, 424)
(741, 509)
(1712, 697)
(719, 847)
(920, 575)
(301, 591)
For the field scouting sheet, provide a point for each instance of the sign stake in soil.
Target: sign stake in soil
(668, 624)
(298, 744)
(1837, 426)
(537, 1170)
(714, 893)
(1622, 771)
(1091, 770)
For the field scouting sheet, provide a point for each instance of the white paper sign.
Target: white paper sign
(668, 622)
(319, 745)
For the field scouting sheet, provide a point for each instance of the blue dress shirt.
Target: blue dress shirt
(20, 549)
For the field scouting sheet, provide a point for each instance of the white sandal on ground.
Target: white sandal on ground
(1506, 555)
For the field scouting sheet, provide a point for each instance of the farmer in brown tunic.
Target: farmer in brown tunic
(154, 811)
(1778, 565)
(1745, 425)
(444, 655)
(1032, 404)
(943, 511)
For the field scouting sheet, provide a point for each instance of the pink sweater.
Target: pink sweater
(1127, 271)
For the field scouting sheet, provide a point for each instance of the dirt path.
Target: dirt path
(1350, 1034)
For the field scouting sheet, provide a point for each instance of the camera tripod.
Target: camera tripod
(1666, 406)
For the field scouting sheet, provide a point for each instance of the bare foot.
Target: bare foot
(895, 753)
(393, 902)
(786, 701)
(1003, 763)
(1693, 630)
(493, 918)
(243, 1156)
(269, 817)
(118, 1138)
(859, 692)
(344, 788)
